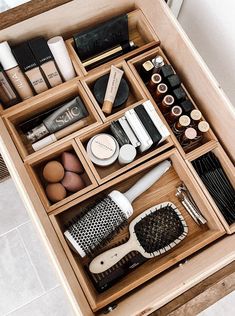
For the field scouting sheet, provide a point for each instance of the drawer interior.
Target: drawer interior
(162, 191)
(101, 181)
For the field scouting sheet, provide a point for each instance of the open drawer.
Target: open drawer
(206, 249)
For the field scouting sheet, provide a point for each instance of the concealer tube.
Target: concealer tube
(154, 81)
(8, 96)
(60, 134)
(28, 64)
(166, 104)
(115, 77)
(14, 72)
(174, 114)
(160, 92)
(181, 124)
(46, 61)
(62, 58)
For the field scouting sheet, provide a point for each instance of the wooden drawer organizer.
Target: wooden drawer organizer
(209, 139)
(147, 287)
(163, 190)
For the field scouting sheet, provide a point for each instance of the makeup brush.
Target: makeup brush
(152, 233)
(102, 221)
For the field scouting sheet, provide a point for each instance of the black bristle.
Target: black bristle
(159, 229)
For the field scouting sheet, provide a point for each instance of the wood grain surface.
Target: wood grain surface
(27, 10)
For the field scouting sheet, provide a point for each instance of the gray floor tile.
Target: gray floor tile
(53, 303)
(39, 256)
(224, 307)
(12, 210)
(19, 283)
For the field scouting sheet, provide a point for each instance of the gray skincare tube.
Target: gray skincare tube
(66, 115)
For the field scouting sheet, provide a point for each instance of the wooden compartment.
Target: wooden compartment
(104, 174)
(35, 167)
(209, 139)
(229, 170)
(163, 190)
(140, 32)
(40, 104)
(136, 94)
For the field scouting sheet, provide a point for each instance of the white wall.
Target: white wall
(210, 24)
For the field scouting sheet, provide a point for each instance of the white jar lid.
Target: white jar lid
(127, 154)
(7, 59)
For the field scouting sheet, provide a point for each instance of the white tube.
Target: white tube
(61, 56)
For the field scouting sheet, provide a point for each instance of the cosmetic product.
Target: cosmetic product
(152, 233)
(160, 92)
(28, 64)
(203, 127)
(173, 81)
(146, 71)
(158, 62)
(103, 149)
(179, 94)
(89, 232)
(108, 55)
(73, 182)
(153, 83)
(188, 135)
(55, 192)
(53, 171)
(217, 183)
(127, 154)
(129, 132)
(119, 133)
(187, 106)
(71, 162)
(166, 71)
(45, 59)
(174, 114)
(195, 115)
(166, 104)
(156, 120)
(179, 126)
(52, 138)
(60, 53)
(14, 72)
(115, 77)
(148, 124)
(102, 37)
(139, 130)
(189, 204)
(8, 96)
(66, 115)
(100, 87)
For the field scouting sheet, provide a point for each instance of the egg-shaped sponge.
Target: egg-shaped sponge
(53, 171)
(55, 192)
(73, 182)
(71, 162)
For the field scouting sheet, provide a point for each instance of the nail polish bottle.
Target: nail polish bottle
(14, 72)
(28, 64)
(45, 59)
(8, 95)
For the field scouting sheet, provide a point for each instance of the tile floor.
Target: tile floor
(28, 282)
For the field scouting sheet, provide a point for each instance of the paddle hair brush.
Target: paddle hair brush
(152, 233)
(90, 232)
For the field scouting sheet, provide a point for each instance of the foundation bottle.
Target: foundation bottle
(180, 125)
(160, 92)
(173, 115)
(46, 61)
(154, 81)
(14, 72)
(8, 96)
(28, 64)
(166, 104)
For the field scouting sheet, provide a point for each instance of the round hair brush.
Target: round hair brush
(152, 233)
(100, 222)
